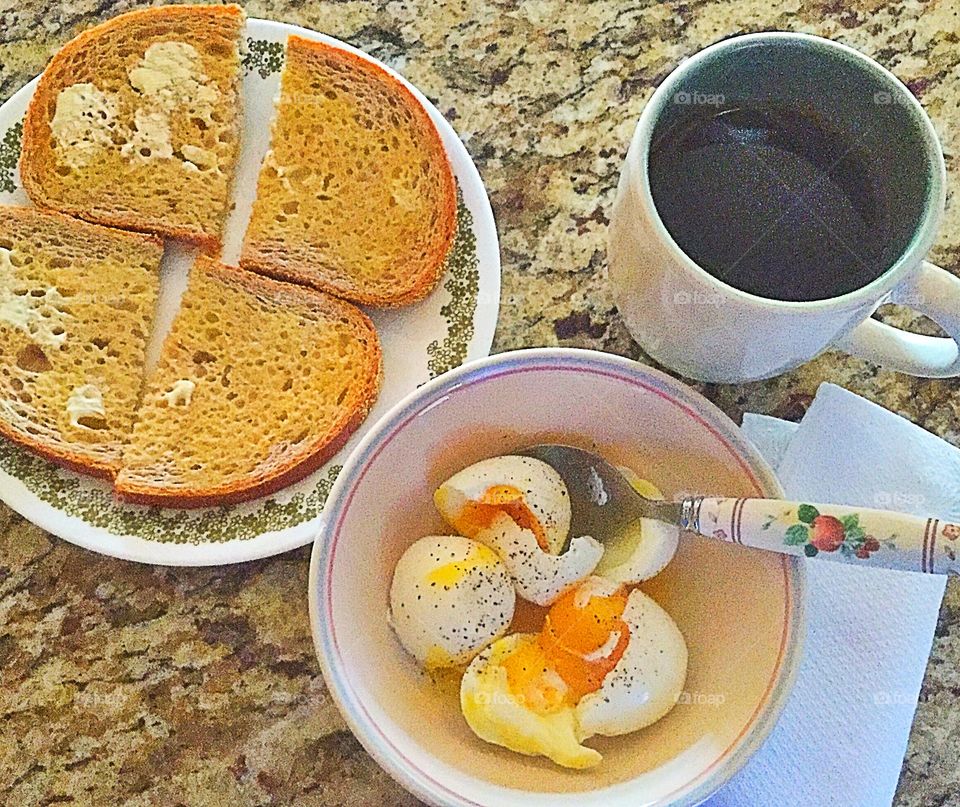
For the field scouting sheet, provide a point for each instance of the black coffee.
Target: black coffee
(773, 200)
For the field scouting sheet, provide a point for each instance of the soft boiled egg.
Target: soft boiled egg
(450, 598)
(643, 548)
(604, 663)
(526, 489)
(647, 680)
(493, 701)
(520, 507)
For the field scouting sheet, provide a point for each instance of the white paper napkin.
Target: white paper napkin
(842, 736)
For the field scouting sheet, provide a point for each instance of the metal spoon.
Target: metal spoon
(603, 502)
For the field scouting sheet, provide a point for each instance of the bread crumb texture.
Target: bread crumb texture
(255, 378)
(136, 122)
(76, 304)
(356, 195)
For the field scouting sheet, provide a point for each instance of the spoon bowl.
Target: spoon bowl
(602, 500)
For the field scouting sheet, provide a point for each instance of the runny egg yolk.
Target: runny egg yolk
(533, 681)
(479, 514)
(582, 640)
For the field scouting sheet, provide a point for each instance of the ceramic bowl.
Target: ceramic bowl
(738, 608)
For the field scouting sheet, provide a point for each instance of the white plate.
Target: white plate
(453, 325)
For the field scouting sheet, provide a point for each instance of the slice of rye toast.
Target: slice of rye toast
(259, 383)
(76, 303)
(136, 123)
(356, 195)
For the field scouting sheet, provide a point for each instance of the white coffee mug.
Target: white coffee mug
(690, 321)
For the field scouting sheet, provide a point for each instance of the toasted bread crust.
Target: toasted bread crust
(36, 157)
(62, 455)
(314, 455)
(299, 266)
(304, 274)
(70, 460)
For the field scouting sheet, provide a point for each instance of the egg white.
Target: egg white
(644, 548)
(539, 576)
(643, 687)
(450, 597)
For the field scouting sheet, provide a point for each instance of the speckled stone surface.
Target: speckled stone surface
(121, 684)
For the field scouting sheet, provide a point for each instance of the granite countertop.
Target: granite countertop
(121, 683)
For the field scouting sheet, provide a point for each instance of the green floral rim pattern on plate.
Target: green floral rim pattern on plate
(94, 503)
(264, 56)
(463, 283)
(9, 154)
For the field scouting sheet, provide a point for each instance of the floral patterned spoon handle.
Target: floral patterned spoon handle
(603, 503)
(834, 532)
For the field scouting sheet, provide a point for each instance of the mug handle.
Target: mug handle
(931, 291)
